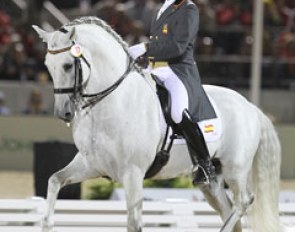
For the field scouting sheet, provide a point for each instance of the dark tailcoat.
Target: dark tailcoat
(172, 40)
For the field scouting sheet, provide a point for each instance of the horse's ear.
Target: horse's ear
(73, 34)
(44, 35)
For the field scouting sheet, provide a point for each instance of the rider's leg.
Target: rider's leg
(196, 144)
(197, 148)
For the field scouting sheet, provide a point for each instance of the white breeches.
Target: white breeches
(177, 90)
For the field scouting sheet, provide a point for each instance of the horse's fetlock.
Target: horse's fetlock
(47, 226)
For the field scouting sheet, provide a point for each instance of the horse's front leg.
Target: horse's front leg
(76, 171)
(133, 185)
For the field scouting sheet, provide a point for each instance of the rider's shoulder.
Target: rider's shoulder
(189, 4)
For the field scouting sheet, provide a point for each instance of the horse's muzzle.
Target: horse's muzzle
(66, 113)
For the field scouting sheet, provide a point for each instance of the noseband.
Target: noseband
(77, 90)
(78, 73)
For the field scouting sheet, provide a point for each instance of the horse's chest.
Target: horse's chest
(100, 151)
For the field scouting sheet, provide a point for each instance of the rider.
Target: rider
(170, 51)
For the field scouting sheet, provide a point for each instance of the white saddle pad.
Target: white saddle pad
(211, 128)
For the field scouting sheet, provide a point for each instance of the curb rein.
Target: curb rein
(78, 87)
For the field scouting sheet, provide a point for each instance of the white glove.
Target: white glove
(137, 50)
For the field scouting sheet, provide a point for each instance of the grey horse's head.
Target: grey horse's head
(61, 62)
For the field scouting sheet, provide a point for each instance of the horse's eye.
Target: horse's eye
(67, 67)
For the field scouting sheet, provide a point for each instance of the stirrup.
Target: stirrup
(200, 172)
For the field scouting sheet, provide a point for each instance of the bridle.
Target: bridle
(77, 89)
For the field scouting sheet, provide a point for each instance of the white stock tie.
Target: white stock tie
(164, 7)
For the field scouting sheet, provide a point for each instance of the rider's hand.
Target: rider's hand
(137, 50)
(143, 62)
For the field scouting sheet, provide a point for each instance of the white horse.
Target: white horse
(118, 131)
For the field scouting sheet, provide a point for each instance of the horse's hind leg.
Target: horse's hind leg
(216, 196)
(242, 200)
(76, 171)
(133, 185)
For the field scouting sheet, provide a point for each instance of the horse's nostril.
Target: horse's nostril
(68, 115)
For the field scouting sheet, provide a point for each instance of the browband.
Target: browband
(59, 50)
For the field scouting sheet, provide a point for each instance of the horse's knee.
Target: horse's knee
(56, 180)
(53, 180)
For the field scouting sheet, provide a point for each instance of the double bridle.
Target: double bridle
(77, 89)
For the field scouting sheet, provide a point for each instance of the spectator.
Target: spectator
(286, 51)
(287, 9)
(245, 8)
(207, 16)
(117, 19)
(4, 28)
(141, 10)
(226, 13)
(137, 33)
(35, 104)
(14, 62)
(272, 16)
(4, 110)
(230, 39)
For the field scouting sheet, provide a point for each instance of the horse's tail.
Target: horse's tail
(266, 180)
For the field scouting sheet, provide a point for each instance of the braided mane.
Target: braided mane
(102, 24)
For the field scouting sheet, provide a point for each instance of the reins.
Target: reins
(99, 96)
(78, 87)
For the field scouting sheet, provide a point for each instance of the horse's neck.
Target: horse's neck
(134, 96)
(108, 58)
(132, 109)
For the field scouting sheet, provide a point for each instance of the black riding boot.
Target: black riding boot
(197, 149)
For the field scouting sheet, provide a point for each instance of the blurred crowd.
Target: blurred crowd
(21, 57)
(34, 105)
(224, 39)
